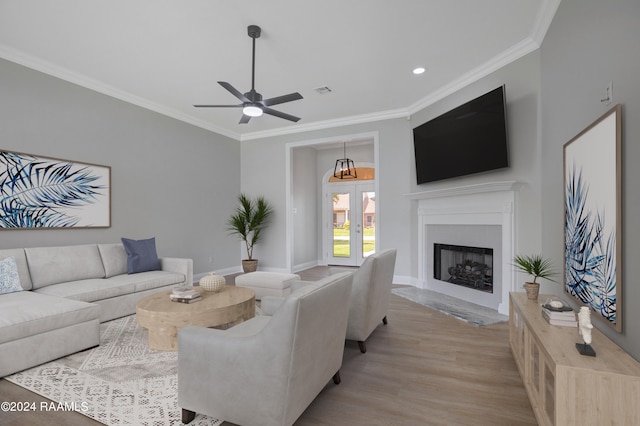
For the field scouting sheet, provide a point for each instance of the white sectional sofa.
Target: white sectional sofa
(67, 292)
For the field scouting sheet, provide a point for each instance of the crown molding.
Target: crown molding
(65, 74)
(474, 75)
(327, 124)
(510, 55)
(516, 52)
(543, 21)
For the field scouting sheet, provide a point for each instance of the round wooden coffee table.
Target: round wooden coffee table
(163, 318)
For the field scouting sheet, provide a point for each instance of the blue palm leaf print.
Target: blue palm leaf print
(33, 192)
(589, 254)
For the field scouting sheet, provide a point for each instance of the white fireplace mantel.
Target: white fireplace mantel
(490, 203)
(508, 185)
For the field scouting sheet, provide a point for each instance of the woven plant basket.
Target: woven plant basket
(532, 290)
(212, 282)
(249, 265)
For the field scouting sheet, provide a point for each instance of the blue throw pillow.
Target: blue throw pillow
(141, 255)
(9, 278)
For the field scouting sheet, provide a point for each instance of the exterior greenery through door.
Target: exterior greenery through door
(341, 246)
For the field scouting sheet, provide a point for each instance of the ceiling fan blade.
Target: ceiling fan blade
(219, 106)
(245, 119)
(280, 114)
(282, 99)
(235, 92)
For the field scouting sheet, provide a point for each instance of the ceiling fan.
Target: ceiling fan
(252, 103)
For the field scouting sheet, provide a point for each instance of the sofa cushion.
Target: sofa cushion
(9, 278)
(88, 290)
(53, 265)
(114, 259)
(150, 280)
(28, 313)
(21, 262)
(94, 290)
(141, 255)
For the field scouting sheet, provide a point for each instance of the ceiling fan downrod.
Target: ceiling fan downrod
(254, 32)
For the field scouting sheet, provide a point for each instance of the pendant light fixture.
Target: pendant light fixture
(345, 168)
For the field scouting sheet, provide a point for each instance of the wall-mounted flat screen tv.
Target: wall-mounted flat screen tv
(469, 139)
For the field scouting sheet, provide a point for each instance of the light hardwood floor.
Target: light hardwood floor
(423, 368)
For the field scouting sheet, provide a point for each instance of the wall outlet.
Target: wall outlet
(211, 259)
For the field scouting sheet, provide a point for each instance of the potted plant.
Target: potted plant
(536, 266)
(248, 222)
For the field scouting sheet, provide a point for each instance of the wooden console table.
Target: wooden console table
(564, 387)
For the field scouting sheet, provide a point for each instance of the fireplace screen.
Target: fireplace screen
(470, 267)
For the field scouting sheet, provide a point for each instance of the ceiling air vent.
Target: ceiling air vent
(323, 90)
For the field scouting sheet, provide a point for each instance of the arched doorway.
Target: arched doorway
(306, 245)
(349, 217)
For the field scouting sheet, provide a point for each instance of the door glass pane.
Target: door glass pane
(341, 225)
(368, 223)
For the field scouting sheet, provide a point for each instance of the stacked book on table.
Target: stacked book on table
(185, 295)
(559, 315)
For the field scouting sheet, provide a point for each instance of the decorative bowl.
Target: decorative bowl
(212, 282)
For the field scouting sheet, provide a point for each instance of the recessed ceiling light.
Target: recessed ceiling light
(419, 70)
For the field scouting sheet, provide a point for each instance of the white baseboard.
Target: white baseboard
(405, 280)
(303, 266)
(225, 271)
(278, 270)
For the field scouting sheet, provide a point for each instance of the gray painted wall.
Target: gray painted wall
(396, 173)
(266, 157)
(306, 211)
(522, 86)
(176, 182)
(590, 43)
(170, 180)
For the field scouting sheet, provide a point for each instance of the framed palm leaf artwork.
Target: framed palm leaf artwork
(593, 217)
(44, 193)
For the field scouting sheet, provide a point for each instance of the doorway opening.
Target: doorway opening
(309, 213)
(350, 213)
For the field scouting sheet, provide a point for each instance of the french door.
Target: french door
(350, 222)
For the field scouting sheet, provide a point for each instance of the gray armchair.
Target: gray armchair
(370, 295)
(267, 370)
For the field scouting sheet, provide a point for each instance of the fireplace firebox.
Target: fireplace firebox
(470, 267)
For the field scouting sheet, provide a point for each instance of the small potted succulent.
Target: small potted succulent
(536, 266)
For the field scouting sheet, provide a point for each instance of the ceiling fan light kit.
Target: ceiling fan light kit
(252, 103)
(252, 111)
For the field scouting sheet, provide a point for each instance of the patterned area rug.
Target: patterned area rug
(465, 311)
(121, 382)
